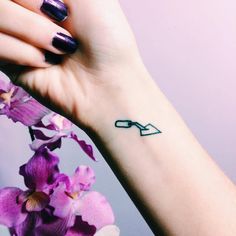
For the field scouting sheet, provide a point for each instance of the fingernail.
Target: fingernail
(55, 9)
(65, 43)
(52, 58)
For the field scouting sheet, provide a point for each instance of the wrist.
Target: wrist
(130, 99)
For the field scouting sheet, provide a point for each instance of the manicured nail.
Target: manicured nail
(65, 43)
(55, 9)
(52, 58)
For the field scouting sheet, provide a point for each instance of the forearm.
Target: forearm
(170, 178)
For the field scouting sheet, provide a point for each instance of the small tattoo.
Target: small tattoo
(148, 129)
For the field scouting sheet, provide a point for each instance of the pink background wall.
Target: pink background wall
(189, 48)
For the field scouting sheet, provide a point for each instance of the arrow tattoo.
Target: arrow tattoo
(148, 129)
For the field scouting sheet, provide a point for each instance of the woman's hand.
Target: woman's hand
(86, 83)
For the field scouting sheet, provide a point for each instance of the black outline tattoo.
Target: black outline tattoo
(148, 129)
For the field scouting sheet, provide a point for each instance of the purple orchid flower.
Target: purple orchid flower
(41, 170)
(91, 210)
(62, 126)
(54, 204)
(18, 105)
(21, 211)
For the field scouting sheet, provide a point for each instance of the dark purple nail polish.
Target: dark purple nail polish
(65, 43)
(55, 9)
(52, 58)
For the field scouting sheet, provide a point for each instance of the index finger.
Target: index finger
(54, 9)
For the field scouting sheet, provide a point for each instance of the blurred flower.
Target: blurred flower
(54, 204)
(56, 122)
(18, 105)
(62, 126)
(91, 208)
(41, 171)
(21, 210)
(11, 213)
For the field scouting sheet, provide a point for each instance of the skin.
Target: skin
(89, 74)
(172, 180)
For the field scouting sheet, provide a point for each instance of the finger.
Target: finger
(55, 9)
(21, 53)
(34, 29)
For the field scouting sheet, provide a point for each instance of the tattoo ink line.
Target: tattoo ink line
(148, 129)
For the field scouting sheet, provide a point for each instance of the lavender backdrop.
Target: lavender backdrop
(189, 48)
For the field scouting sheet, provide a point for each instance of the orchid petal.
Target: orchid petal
(28, 226)
(19, 94)
(42, 125)
(51, 143)
(54, 226)
(21, 106)
(10, 209)
(60, 123)
(109, 230)
(41, 170)
(38, 134)
(24, 196)
(37, 201)
(4, 110)
(95, 209)
(56, 122)
(61, 201)
(62, 178)
(87, 148)
(55, 142)
(84, 177)
(28, 113)
(81, 228)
